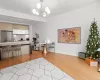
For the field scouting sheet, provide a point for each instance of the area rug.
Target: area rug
(37, 69)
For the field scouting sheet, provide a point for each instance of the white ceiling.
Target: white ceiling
(56, 6)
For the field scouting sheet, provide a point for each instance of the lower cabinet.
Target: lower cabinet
(25, 49)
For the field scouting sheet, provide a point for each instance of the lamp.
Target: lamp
(40, 10)
(47, 41)
(39, 5)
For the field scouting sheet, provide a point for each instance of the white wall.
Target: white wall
(32, 31)
(77, 18)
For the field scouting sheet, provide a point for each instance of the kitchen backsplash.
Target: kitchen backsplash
(20, 37)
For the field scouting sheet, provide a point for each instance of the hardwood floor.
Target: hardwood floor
(73, 66)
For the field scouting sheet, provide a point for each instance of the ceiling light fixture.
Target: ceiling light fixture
(40, 10)
(38, 5)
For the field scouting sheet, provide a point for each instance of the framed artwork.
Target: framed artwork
(69, 35)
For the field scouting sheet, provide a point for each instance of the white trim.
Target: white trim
(14, 23)
(21, 15)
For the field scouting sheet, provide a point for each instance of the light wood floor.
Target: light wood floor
(73, 66)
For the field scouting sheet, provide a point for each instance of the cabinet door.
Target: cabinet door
(26, 32)
(25, 49)
(6, 26)
(21, 27)
(15, 31)
(22, 32)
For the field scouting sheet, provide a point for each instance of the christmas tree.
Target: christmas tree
(93, 42)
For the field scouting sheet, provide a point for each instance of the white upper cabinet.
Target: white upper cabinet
(20, 29)
(26, 32)
(16, 28)
(16, 31)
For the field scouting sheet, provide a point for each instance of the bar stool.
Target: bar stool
(6, 50)
(9, 50)
(16, 50)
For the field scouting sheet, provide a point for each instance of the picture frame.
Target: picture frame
(69, 35)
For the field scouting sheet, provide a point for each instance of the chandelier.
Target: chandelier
(40, 10)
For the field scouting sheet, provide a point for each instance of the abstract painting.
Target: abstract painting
(69, 35)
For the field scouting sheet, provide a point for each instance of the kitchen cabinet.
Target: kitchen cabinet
(16, 31)
(16, 28)
(20, 27)
(6, 26)
(25, 49)
(26, 32)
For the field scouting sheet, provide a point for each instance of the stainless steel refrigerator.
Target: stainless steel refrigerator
(6, 36)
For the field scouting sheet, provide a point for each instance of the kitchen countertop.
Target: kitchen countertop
(14, 43)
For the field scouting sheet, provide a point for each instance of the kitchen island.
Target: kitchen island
(14, 43)
(25, 47)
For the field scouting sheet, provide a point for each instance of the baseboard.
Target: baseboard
(64, 53)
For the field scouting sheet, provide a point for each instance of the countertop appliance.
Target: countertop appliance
(6, 36)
